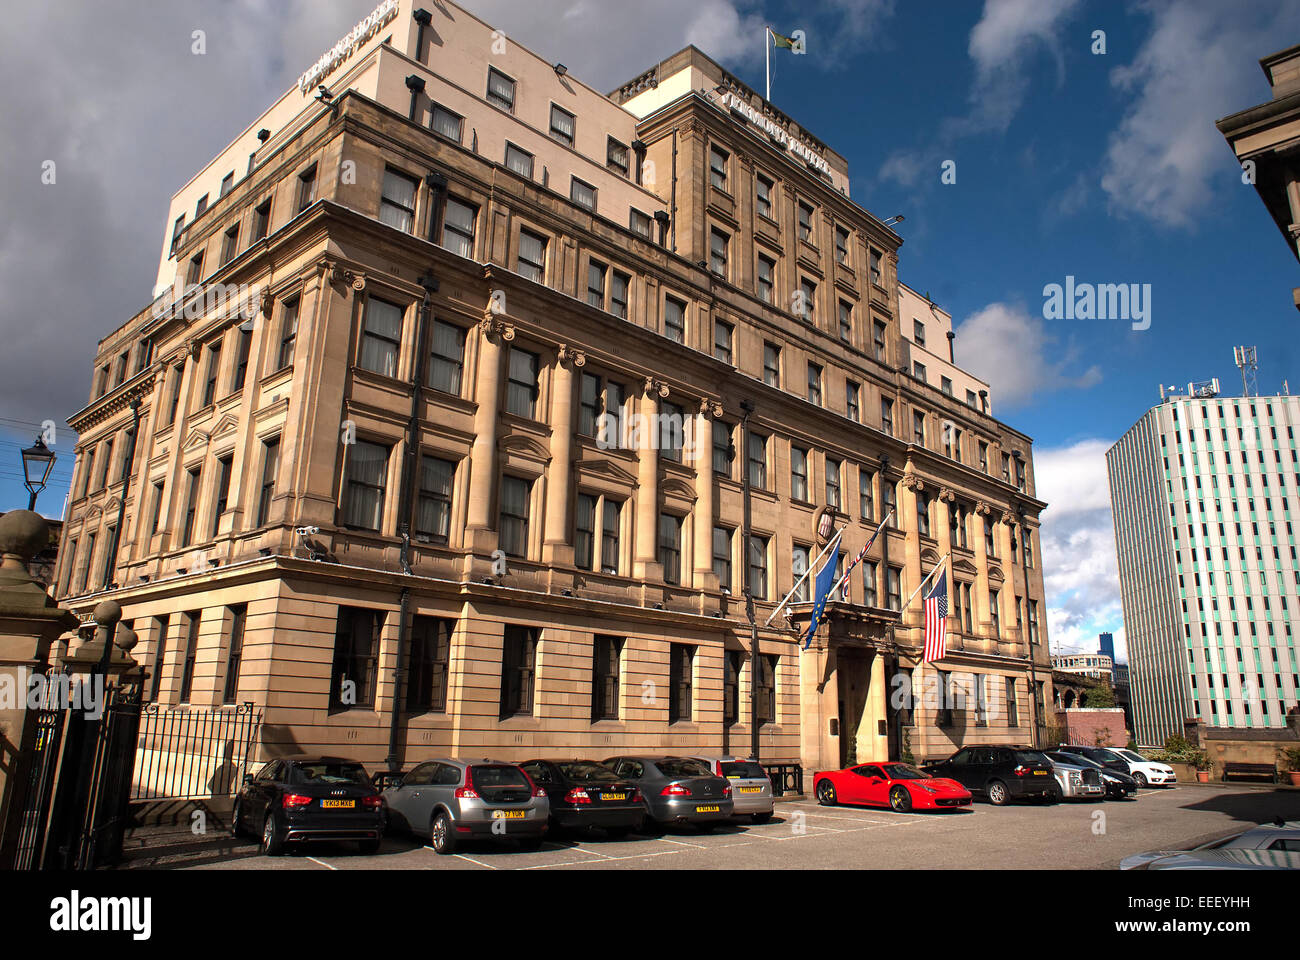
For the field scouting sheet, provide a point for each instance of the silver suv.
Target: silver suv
(751, 788)
(453, 800)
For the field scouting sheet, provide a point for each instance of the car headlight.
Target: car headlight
(927, 789)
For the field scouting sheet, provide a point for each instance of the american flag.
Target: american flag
(936, 618)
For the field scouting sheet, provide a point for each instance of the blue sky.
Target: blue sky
(1104, 167)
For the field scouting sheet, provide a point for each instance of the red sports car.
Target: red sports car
(898, 786)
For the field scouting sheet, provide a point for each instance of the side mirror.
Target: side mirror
(248, 778)
(396, 782)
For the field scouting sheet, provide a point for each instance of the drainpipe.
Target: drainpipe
(406, 500)
(416, 85)
(673, 212)
(952, 358)
(1033, 676)
(423, 18)
(747, 409)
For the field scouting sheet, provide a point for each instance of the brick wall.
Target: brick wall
(1084, 726)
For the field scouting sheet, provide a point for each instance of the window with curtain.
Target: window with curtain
(433, 511)
(381, 337)
(397, 202)
(447, 357)
(513, 527)
(363, 503)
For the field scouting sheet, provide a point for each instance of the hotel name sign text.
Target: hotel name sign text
(738, 104)
(340, 52)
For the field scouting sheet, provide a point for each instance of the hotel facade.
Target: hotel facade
(1202, 489)
(434, 439)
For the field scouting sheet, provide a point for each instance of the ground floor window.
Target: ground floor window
(426, 684)
(766, 688)
(356, 653)
(680, 670)
(604, 678)
(518, 670)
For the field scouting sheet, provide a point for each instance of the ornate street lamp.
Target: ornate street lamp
(38, 461)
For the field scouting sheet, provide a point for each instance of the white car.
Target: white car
(1146, 772)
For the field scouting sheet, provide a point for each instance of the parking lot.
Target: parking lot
(803, 835)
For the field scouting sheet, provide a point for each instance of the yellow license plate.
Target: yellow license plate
(338, 804)
(615, 796)
(509, 814)
(749, 789)
(1040, 773)
(708, 809)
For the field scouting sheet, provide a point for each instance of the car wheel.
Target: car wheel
(900, 800)
(368, 848)
(237, 821)
(826, 793)
(272, 842)
(998, 793)
(1141, 779)
(441, 835)
(1055, 795)
(761, 817)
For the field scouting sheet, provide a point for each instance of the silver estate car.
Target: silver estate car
(453, 800)
(677, 789)
(751, 789)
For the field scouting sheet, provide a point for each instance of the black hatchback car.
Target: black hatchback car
(1000, 774)
(300, 798)
(585, 793)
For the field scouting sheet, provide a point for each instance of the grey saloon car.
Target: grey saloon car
(677, 789)
(453, 800)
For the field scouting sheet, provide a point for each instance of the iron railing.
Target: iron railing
(786, 777)
(194, 753)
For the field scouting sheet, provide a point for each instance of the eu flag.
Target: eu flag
(825, 581)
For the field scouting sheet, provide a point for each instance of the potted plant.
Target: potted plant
(1202, 761)
(1291, 757)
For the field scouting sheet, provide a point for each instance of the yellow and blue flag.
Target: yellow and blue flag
(825, 581)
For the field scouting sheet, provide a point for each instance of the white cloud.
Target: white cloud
(1012, 350)
(1080, 573)
(1198, 64)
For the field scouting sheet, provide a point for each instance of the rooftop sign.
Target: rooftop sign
(340, 52)
(738, 104)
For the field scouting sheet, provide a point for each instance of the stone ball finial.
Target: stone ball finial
(23, 533)
(108, 612)
(125, 639)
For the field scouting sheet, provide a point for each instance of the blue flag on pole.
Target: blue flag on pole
(826, 579)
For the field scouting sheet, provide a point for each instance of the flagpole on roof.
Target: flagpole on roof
(806, 574)
(928, 577)
(767, 52)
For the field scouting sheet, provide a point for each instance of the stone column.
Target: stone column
(1009, 589)
(983, 616)
(943, 533)
(556, 547)
(872, 744)
(29, 623)
(908, 491)
(702, 443)
(480, 535)
(646, 564)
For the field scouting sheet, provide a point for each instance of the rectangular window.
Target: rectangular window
(799, 474)
(191, 505)
(718, 252)
(918, 333)
(364, 486)
(227, 182)
(381, 337)
(722, 557)
(722, 453)
(234, 653)
(584, 537)
(83, 574)
(718, 167)
(610, 525)
(518, 670)
(757, 461)
(833, 483)
(672, 431)
(894, 588)
(681, 662)
(288, 334)
(161, 627)
(447, 124)
(639, 223)
(918, 427)
(222, 501)
(532, 256)
(670, 547)
(765, 688)
(841, 246)
(270, 466)
(674, 319)
(201, 207)
(757, 559)
(731, 687)
(229, 245)
(243, 346)
(500, 90)
(516, 493)
(583, 194)
(562, 124)
(356, 655)
(805, 222)
(195, 272)
(191, 655)
(994, 601)
(923, 514)
(177, 229)
(174, 400)
(426, 679)
(1013, 715)
(808, 299)
(433, 511)
(522, 384)
(446, 358)
(155, 516)
(606, 653)
(866, 495)
(814, 383)
(619, 284)
(519, 161)
(616, 158)
(261, 221)
(877, 277)
(213, 369)
(458, 228)
(799, 557)
(766, 279)
(722, 341)
(846, 321)
(878, 340)
(763, 196)
(110, 557)
(918, 371)
(852, 395)
(869, 595)
(306, 188)
(945, 386)
(771, 364)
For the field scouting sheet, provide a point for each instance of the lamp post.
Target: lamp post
(1029, 646)
(38, 461)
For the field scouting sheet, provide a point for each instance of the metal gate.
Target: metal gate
(193, 753)
(40, 788)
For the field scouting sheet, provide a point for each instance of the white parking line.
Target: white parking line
(327, 866)
(594, 853)
(472, 860)
(681, 843)
(575, 863)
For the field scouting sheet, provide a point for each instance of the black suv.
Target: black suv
(1000, 774)
(303, 797)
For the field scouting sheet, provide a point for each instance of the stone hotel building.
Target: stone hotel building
(433, 439)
